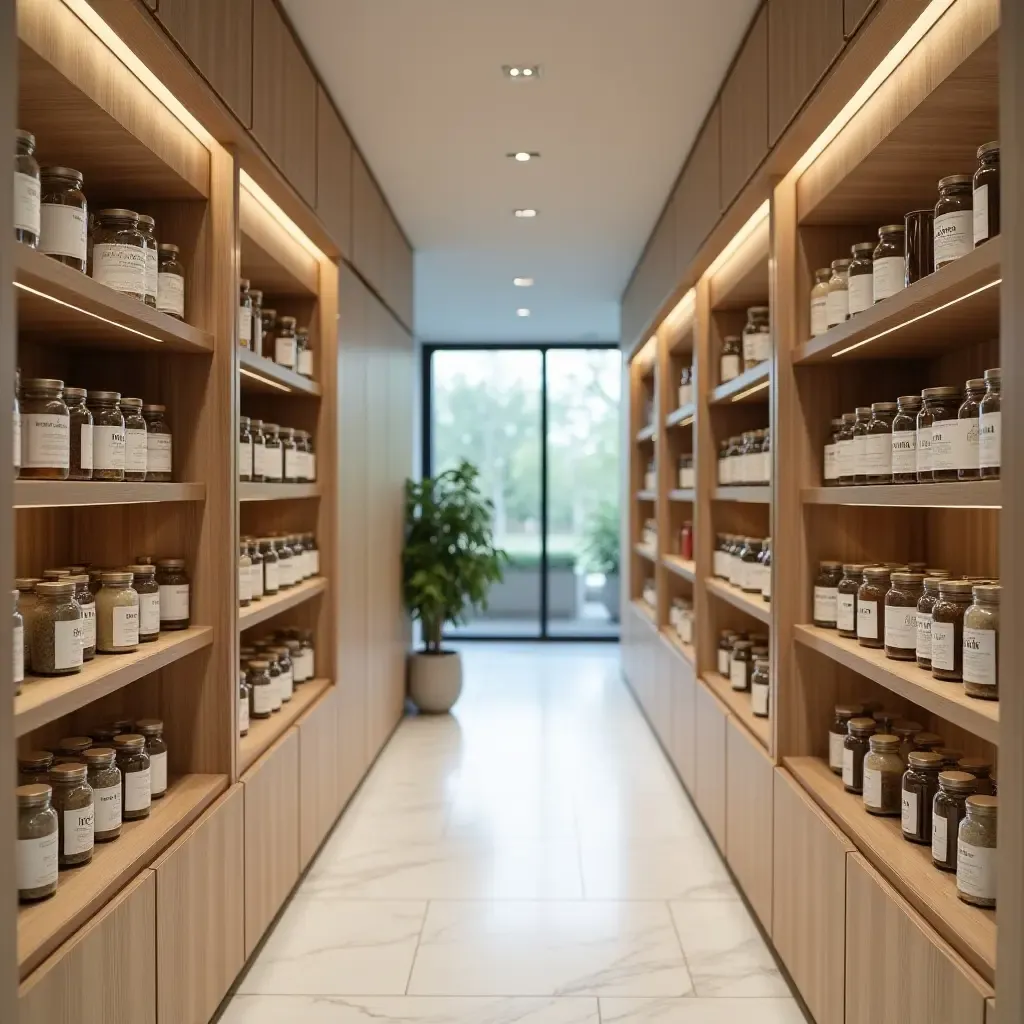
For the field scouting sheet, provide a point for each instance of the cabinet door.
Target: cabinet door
(271, 834)
(809, 899)
(106, 972)
(398, 267)
(319, 774)
(200, 897)
(684, 722)
(334, 173)
(898, 970)
(367, 223)
(711, 763)
(661, 710)
(300, 132)
(698, 202)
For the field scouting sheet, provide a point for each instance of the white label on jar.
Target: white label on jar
(67, 644)
(17, 440)
(837, 306)
(136, 451)
(825, 601)
(284, 352)
(924, 635)
(26, 203)
(943, 653)
(976, 870)
(158, 773)
(271, 576)
(844, 458)
(831, 468)
(45, 441)
(259, 457)
(909, 816)
(861, 293)
(243, 714)
(980, 214)
(901, 628)
(716, 563)
(730, 368)
(859, 454)
(904, 452)
(88, 625)
(245, 458)
(888, 276)
(293, 464)
(173, 602)
(287, 685)
(980, 656)
(263, 699)
(158, 453)
(847, 766)
(819, 315)
(85, 443)
(18, 652)
(988, 440)
(953, 236)
(872, 788)
(303, 665)
(36, 861)
(924, 449)
(78, 830)
(108, 808)
(170, 294)
(846, 617)
(759, 699)
(878, 455)
(950, 445)
(109, 447)
(149, 614)
(723, 662)
(244, 586)
(126, 625)
(738, 674)
(305, 366)
(152, 272)
(137, 791)
(245, 326)
(750, 348)
(119, 266)
(256, 579)
(63, 231)
(940, 831)
(835, 750)
(867, 620)
(286, 572)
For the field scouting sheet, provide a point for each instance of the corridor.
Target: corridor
(530, 860)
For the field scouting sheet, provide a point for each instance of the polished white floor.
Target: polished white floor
(530, 860)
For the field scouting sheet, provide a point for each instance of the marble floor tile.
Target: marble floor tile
(700, 1011)
(549, 948)
(333, 947)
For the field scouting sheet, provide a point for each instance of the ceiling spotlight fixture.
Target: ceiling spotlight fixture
(523, 282)
(521, 70)
(522, 312)
(523, 155)
(526, 213)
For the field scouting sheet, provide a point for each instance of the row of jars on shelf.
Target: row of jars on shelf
(63, 433)
(680, 618)
(746, 458)
(268, 565)
(942, 798)
(941, 435)
(685, 474)
(268, 453)
(649, 534)
(740, 353)
(965, 216)
(270, 669)
(80, 794)
(117, 247)
(744, 562)
(947, 625)
(274, 337)
(744, 659)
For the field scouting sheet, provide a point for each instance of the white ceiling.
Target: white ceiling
(625, 85)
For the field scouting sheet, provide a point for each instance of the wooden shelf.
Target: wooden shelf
(277, 492)
(936, 314)
(681, 416)
(968, 494)
(645, 552)
(644, 609)
(264, 376)
(738, 702)
(757, 494)
(265, 732)
(753, 605)
(646, 495)
(647, 434)
(59, 305)
(271, 258)
(907, 866)
(81, 891)
(743, 279)
(682, 494)
(268, 607)
(687, 651)
(46, 698)
(688, 570)
(947, 700)
(749, 387)
(74, 493)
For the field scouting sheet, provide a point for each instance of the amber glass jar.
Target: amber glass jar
(925, 604)
(289, 471)
(981, 643)
(845, 466)
(259, 449)
(244, 450)
(159, 443)
(826, 594)
(109, 442)
(147, 228)
(45, 430)
(855, 749)
(175, 589)
(170, 289)
(132, 759)
(34, 767)
(145, 585)
(846, 599)
(73, 802)
(26, 189)
(119, 253)
(889, 264)
(837, 733)
(837, 304)
(904, 439)
(273, 467)
(870, 601)
(38, 841)
(954, 219)
(261, 689)
(883, 775)
(968, 448)
(153, 731)
(257, 321)
(942, 409)
(920, 784)
(878, 444)
(105, 779)
(80, 434)
(920, 233)
(948, 629)
(861, 429)
(985, 200)
(948, 810)
(905, 729)
(136, 443)
(860, 286)
(63, 217)
(989, 417)
(905, 591)
(244, 314)
(284, 342)
(741, 663)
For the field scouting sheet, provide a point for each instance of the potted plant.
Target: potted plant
(448, 565)
(602, 552)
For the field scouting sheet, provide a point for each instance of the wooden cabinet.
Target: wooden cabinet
(319, 774)
(661, 707)
(333, 172)
(217, 38)
(804, 37)
(271, 834)
(283, 100)
(853, 14)
(368, 212)
(398, 271)
(749, 830)
(106, 972)
(809, 899)
(898, 970)
(698, 202)
(745, 112)
(200, 914)
(711, 765)
(684, 722)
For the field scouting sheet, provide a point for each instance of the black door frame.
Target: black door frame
(427, 460)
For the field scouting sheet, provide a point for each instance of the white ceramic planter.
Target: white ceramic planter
(435, 681)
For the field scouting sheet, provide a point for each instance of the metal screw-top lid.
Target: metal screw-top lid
(167, 247)
(152, 407)
(118, 214)
(884, 407)
(27, 584)
(42, 384)
(943, 392)
(150, 726)
(974, 765)
(35, 795)
(74, 772)
(928, 739)
(909, 401)
(55, 588)
(962, 782)
(983, 804)
(243, 282)
(56, 574)
(142, 570)
(828, 563)
(244, 421)
(853, 568)
(877, 572)
(891, 229)
(104, 396)
(288, 321)
(950, 755)
(986, 593)
(925, 759)
(913, 579)
(260, 664)
(976, 384)
(115, 578)
(906, 728)
(840, 264)
(132, 403)
(104, 734)
(75, 393)
(99, 757)
(130, 742)
(21, 135)
(955, 588)
(146, 220)
(170, 563)
(67, 173)
(988, 147)
(35, 759)
(996, 373)
(849, 418)
(861, 726)
(862, 247)
(884, 743)
(849, 710)
(822, 274)
(74, 744)
(931, 583)
(956, 179)
(862, 410)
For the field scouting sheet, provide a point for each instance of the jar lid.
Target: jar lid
(884, 742)
(115, 578)
(925, 759)
(129, 741)
(260, 664)
(957, 780)
(144, 218)
(906, 401)
(862, 410)
(61, 172)
(243, 282)
(864, 247)
(287, 433)
(837, 422)
(975, 384)
(988, 147)
(55, 588)
(823, 272)
(905, 728)
(118, 214)
(75, 392)
(269, 312)
(257, 295)
(877, 572)
(931, 583)
(957, 588)
(758, 310)
(132, 403)
(840, 264)
(762, 664)
(974, 764)
(949, 754)
(862, 725)
(149, 726)
(167, 247)
(170, 563)
(849, 710)
(915, 579)
(104, 396)
(74, 772)
(928, 739)
(27, 583)
(727, 634)
(74, 744)
(244, 421)
(742, 645)
(23, 136)
(995, 373)
(35, 795)
(853, 568)
(288, 321)
(849, 417)
(153, 408)
(884, 407)
(35, 759)
(98, 757)
(891, 229)
(42, 384)
(759, 651)
(103, 734)
(142, 570)
(271, 427)
(292, 645)
(987, 593)
(956, 179)
(56, 574)
(945, 392)
(982, 803)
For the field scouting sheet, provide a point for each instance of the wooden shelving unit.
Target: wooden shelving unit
(751, 604)
(268, 607)
(646, 495)
(750, 386)
(681, 416)
(278, 492)
(259, 374)
(671, 637)
(78, 493)
(682, 494)
(738, 702)
(265, 732)
(965, 494)
(751, 494)
(648, 553)
(680, 566)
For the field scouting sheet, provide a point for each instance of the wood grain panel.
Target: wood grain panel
(684, 721)
(711, 763)
(200, 914)
(300, 130)
(898, 971)
(853, 14)
(333, 172)
(368, 214)
(106, 972)
(319, 774)
(698, 201)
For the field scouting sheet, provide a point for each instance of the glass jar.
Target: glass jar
(989, 416)
(878, 443)
(261, 689)
(819, 301)
(259, 450)
(255, 570)
(837, 733)
(948, 809)
(927, 741)
(145, 585)
(159, 444)
(304, 359)
(920, 784)
(985, 198)
(244, 572)
(119, 252)
(45, 429)
(136, 781)
(855, 748)
(256, 296)
(968, 441)
(837, 304)
(73, 802)
(37, 843)
(87, 603)
(34, 767)
(285, 568)
(859, 449)
(830, 471)
(153, 731)
(925, 604)
(301, 341)
(725, 641)
(244, 314)
(685, 393)
(976, 852)
(883, 775)
(269, 331)
(289, 456)
(271, 578)
(56, 642)
(982, 772)
(766, 571)
(274, 671)
(243, 704)
(888, 266)
(760, 687)
(906, 589)
(63, 217)
(286, 682)
(860, 284)
(27, 603)
(105, 779)
(273, 467)
(826, 594)
(136, 440)
(170, 281)
(26, 189)
(919, 228)
(147, 228)
(109, 440)
(117, 614)
(741, 661)
(17, 644)
(284, 342)
(948, 629)
(244, 450)
(175, 588)
(870, 599)
(981, 643)
(937, 429)
(905, 730)
(80, 434)
(846, 599)
(954, 219)
(307, 654)
(70, 749)
(757, 337)
(904, 439)
(729, 359)
(750, 575)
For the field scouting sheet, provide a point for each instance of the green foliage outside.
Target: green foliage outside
(602, 540)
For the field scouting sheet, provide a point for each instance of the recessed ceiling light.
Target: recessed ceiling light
(523, 282)
(521, 70)
(525, 213)
(522, 312)
(523, 155)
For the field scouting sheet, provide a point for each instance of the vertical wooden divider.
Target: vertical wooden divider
(705, 462)
(665, 472)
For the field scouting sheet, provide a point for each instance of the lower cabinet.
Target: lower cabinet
(271, 792)
(711, 767)
(106, 972)
(200, 914)
(661, 702)
(898, 970)
(749, 801)
(320, 774)
(684, 722)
